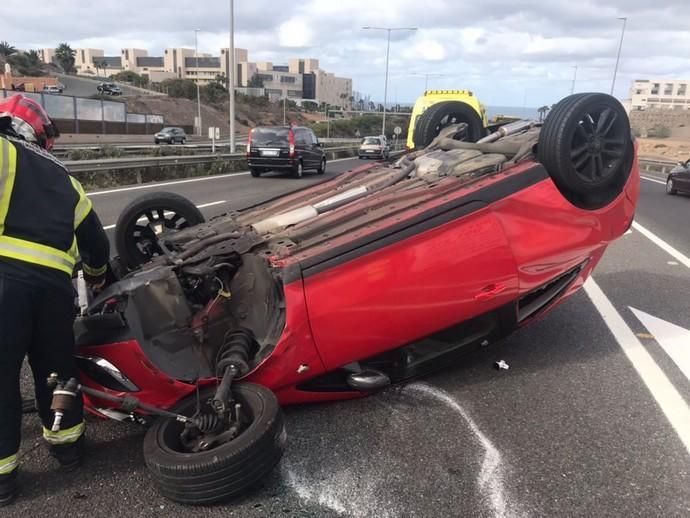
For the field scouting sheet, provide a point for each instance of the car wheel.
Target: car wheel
(670, 189)
(586, 148)
(298, 171)
(438, 116)
(322, 166)
(183, 141)
(147, 220)
(227, 469)
(255, 172)
(156, 141)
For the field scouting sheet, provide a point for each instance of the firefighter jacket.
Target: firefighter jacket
(47, 223)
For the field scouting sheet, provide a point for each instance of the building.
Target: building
(299, 79)
(667, 94)
(47, 55)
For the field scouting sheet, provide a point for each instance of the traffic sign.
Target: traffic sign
(397, 130)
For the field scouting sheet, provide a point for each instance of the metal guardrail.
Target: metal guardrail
(656, 166)
(112, 164)
(136, 149)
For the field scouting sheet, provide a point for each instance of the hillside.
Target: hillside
(181, 112)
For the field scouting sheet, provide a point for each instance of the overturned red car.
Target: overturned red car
(373, 277)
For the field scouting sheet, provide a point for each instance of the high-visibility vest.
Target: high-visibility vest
(41, 206)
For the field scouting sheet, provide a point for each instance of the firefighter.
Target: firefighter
(46, 224)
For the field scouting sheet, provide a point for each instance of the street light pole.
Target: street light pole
(572, 88)
(618, 58)
(198, 89)
(231, 76)
(388, 47)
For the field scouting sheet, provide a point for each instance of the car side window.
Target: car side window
(301, 137)
(314, 140)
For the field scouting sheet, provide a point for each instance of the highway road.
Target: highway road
(590, 419)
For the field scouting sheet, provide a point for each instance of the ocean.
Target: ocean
(512, 111)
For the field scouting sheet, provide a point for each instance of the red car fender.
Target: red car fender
(295, 358)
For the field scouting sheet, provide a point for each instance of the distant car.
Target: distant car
(51, 89)
(61, 87)
(170, 136)
(109, 89)
(294, 149)
(678, 179)
(374, 147)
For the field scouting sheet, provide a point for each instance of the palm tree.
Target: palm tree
(104, 67)
(543, 110)
(64, 54)
(34, 58)
(6, 49)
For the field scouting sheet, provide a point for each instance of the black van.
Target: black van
(291, 148)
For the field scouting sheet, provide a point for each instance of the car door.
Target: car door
(305, 148)
(683, 178)
(317, 148)
(432, 274)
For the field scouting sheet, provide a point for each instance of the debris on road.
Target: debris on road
(501, 365)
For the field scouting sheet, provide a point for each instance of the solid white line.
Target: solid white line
(669, 399)
(189, 180)
(679, 256)
(163, 184)
(653, 180)
(202, 206)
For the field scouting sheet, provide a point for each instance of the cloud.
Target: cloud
(505, 50)
(294, 33)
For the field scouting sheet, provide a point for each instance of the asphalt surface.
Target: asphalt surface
(582, 424)
(82, 87)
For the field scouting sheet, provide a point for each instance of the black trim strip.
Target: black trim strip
(422, 222)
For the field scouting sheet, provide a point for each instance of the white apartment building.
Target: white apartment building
(668, 94)
(299, 79)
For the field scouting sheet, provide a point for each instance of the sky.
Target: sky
(509, 52)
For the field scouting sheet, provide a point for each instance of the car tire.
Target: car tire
(298, 170)
(183, 141)
(585, 145)
(156, 141)
(434, 118)
(129, 234)
(229, 469)
(256, 172)
(322, 166)
(670, 189)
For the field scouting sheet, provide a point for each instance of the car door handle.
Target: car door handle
(490, 291)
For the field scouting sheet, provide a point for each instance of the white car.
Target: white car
(51, 89)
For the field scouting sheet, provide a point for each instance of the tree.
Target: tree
(360, 105)
(214, 93)
(256, 81)
(34, 58)
(185, 88)
(127, 76)
(64, 54)
(26, 65)
(6, 49)
(543, 110)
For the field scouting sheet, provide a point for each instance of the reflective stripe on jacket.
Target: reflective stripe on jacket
(41, 207)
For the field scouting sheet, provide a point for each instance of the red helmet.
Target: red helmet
(29, 120)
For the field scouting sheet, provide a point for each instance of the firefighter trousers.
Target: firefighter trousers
(35, 321)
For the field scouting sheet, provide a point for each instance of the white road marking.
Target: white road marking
(673, 339)
(202, 206)
(653, 180)
(629, 231)
(672, 263)
(669, 399)
(189, 180)
(677, 255)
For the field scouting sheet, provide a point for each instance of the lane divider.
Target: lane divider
(188, 180)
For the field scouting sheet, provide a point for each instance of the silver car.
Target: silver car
(374, 147)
